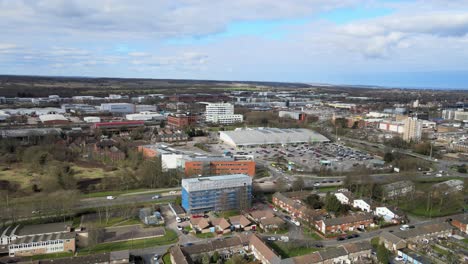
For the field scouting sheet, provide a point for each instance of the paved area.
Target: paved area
(121, 233)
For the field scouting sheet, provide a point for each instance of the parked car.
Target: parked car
(172, 192)
(404, 227)
(179, 228)
(398, 258)
(178, 220)
(110, 197)
(157, 196)
(272, 238)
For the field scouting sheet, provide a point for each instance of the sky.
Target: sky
(396, 43)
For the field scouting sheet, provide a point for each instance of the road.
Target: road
(443, 165)
(304, 239)
(124, 199)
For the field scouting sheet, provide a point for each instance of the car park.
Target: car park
(404, 227)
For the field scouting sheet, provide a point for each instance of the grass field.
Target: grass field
(19, 175)
(289, 250)
(328, 189)
(91, 173)
(169, 238)
(167, 258)
(204, 235)
(311, 233)
(52, 256)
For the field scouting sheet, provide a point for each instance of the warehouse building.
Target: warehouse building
(118, 108)
(270, 136)
(217, 193)
(145, 116)
(53, 119)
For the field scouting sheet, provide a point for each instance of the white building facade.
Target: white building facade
(362, 205)
(222, 113)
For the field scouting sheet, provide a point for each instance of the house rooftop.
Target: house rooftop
(347, 219)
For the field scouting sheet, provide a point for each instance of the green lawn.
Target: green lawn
(228, 214)
(311, 233)
(169, 238)
(167, 258)
(420, 210)
(289, 250)
(278, 232)
(328, 189)
(52, 256)
(465, 240)
(205, 235)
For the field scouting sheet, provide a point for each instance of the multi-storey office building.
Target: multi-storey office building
(218, 165)
(222, 113)
(217, 193)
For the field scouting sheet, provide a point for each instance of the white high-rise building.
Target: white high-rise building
(413, 129)
(222, 113)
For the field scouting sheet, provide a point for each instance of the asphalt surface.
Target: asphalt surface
(123, 200)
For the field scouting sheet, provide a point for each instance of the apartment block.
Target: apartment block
(181, 121)
(217, 193)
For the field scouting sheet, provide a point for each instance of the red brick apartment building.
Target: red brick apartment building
(180, 121)
(194, 168)
(296, 209)
(344, 223)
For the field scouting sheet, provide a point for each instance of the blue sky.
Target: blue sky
(414, 43)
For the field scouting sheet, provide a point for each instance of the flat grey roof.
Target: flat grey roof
(270, 136)
(216, 178)
(43, 229)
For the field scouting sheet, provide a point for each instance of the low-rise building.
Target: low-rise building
(460, 221)
(363, 204)
(345, 197)
(42, 244)
(344, 223)
(221, 225)
(392, 242)
(200, 224)
(217, 165)
(296, 208)
(181, 121)
(389, 214)
(449, 186)
(240, 222)
(425, 232)
(397, 189)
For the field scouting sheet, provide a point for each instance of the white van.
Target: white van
(110, 197)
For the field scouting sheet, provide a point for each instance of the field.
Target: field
(288, 250)
(22, 177)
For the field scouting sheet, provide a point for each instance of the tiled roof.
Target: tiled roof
(347, 219)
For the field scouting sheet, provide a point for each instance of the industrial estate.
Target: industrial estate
(250, 173)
